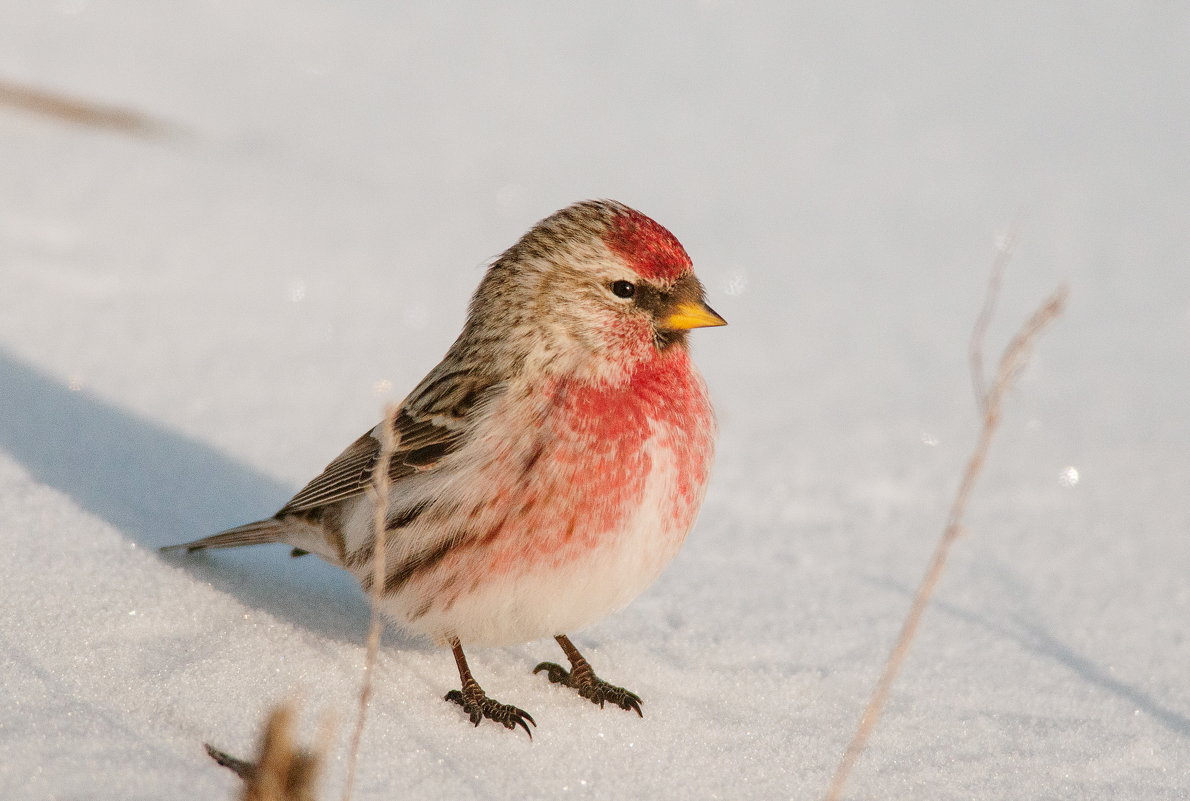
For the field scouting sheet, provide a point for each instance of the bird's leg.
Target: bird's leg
(476, 703)
(582, 678)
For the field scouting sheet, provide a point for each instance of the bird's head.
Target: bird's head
(594, 288)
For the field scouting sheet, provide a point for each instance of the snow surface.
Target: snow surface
(191, 327)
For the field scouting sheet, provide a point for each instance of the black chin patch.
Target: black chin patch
(665, 339)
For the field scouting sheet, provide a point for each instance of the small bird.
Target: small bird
(547, 470)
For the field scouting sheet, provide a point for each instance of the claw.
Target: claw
(591, 687)
(478, 706)
(476, 703)
(557, 674)
(521, 722)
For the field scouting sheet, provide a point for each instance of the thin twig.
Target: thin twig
(1010, 362)
(381, 483)
(80, 112)
(1004, 248)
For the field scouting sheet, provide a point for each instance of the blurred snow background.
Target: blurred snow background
(192, 326)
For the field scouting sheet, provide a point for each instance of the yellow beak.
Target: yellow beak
(692, 314)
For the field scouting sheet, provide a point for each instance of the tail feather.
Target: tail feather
(259, 533)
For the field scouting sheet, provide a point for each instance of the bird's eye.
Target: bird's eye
(623, 289)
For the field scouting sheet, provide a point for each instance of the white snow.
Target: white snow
(191, 327)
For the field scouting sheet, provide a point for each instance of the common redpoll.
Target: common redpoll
(547, 469)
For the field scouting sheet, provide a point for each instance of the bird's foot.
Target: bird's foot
(478, 706)
(590, 686)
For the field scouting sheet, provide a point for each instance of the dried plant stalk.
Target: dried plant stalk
(381, 483)
(282, 771)
(991, 403)
(79, 112)
(1004, 250)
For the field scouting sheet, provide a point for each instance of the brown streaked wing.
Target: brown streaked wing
(434, 429)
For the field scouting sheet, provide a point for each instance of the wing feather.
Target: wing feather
(430, 425)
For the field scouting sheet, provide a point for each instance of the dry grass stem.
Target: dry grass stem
(381, 483)
(79, 112)
(1004, 248)
(991, 403)
(282, 771)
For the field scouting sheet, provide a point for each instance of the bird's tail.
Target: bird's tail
(259, 533)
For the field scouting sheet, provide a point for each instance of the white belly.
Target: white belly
(532, 603)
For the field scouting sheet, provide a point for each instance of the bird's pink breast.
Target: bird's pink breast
(578, 483)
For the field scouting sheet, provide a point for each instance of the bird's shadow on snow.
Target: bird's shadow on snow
(160, 487)
(1024, 628)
